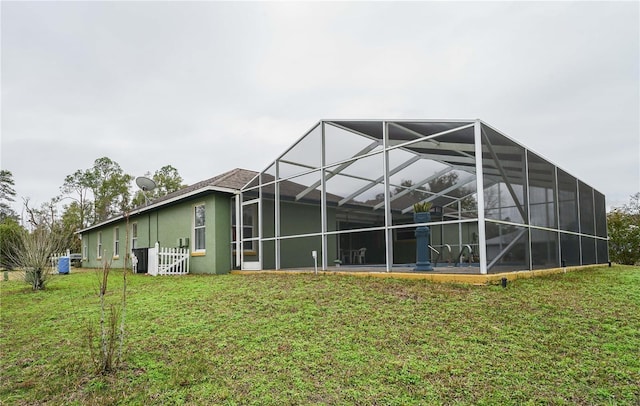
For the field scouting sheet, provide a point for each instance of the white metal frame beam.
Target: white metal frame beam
(323, 202)
(415, 186)
(340, 168)
(453, 147)
(441, 193)
(404, 145)
(482, 235)
(380, 179)
(276, 200)
(388, 220)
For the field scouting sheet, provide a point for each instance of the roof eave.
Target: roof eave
(152, 206)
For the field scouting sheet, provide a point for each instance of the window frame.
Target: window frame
(85, 249)
(116, 242)
(195, 251)
(99, 246)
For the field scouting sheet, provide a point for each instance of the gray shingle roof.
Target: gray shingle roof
(233, 179)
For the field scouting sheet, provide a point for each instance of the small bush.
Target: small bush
(32, 252)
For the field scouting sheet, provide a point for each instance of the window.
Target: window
(199, 228)
(116, 242)
(85, 249)
(134, 235)
(99, 253)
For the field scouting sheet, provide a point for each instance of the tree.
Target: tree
(110, 187)
(10, 230)
(167, 180)
(7, 194)
(624, 232)
(43, 217)
(416, 193)
(10, 234)
(69, 224)
(467, 202)
(79, 185)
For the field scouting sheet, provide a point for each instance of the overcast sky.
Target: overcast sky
(210, 86)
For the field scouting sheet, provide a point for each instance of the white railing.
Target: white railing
(168, 261)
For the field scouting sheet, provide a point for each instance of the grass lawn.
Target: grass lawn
(302, 339)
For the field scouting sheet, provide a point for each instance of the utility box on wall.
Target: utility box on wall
(183, 242)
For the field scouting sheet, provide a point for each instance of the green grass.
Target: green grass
(301, 339)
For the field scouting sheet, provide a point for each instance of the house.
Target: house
(198, 217)
(345, 190)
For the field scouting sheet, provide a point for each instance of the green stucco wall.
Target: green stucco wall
(168, 224)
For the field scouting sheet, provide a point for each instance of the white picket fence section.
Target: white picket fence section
(168, 261)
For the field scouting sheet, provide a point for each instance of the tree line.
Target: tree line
(105, 190)
(87, 196)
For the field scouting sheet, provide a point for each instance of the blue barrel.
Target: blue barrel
(64, 264)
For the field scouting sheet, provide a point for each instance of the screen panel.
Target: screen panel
(296, 252)
(300, 205)
(306, 154)
(542, 192)
(570, 249)
(544, 249)
(568, 202)
(602, 251)
(507, 247)
(503, 164)
(600, 211)
(341, 144)
(586, 209)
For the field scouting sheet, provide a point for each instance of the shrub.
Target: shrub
(10, 234)
(624, 232)
(32, 252)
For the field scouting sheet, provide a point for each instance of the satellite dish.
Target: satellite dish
(145, 183)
